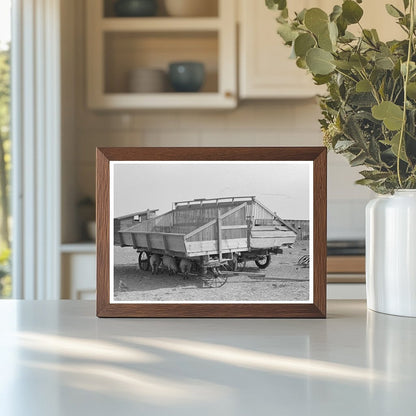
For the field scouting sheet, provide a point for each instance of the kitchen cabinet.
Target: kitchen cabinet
(265, 70)
(264, 66)
(78, 262)
(118, 45)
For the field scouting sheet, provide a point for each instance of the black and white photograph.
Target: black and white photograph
(217, 232)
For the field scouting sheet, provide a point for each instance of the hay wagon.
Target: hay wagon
(215, 234)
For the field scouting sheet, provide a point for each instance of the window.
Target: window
(5, 147)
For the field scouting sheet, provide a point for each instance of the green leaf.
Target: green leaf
(316, 20)
(354, 132)
(336, 12)
(384, 62)
(394, 145)
(393, 11)
(320, 61)
(325, 42)
(411, 90)
(344, 65)
(358, 160)
(391, 114)
(375, 35)
(333, 32)
(362, 99)
(365, 182)
(343, 145)
(321, 79)
(301, 15)
(287, 33)
(412, 67)
(342, 25)
(374, 174)
(374, 150)
(301, 63)
(368, 36)
(382, 89)
(347, 37)
(363, 86)
(358, 61)
(351, 11)
(276, 4)
(303, 43)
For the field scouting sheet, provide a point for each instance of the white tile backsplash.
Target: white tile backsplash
(258, 123)
(346, 219)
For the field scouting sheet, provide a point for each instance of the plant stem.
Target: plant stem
(406, 80)
(346, 75)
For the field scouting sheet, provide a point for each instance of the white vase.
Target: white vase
(391, 253)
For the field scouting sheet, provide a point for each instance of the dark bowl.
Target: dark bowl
(135, 8)
(187, 76)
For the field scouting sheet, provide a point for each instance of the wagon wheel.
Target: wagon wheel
(263, 262)
(214, 279)
(304, 261)
(144, 263)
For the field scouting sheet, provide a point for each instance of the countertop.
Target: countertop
(57, 358)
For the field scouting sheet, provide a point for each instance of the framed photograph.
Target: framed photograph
(211, 232)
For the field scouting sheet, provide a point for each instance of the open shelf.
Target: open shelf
(168, 100)
(211, 9)
(80, 247)
(119, 45)
(127, 51)
(160, 24)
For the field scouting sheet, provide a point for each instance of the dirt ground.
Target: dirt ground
(283, 280)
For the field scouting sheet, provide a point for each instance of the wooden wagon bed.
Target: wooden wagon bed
(208, 227)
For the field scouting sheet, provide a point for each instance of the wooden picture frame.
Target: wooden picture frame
(314, 307)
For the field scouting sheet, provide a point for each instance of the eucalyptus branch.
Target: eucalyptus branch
(380, 106)
(392, 91)
(406, 80)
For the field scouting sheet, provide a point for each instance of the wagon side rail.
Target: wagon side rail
(275, 216)
(156, 242)
(210, 238)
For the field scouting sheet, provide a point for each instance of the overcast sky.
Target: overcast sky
(282, 187)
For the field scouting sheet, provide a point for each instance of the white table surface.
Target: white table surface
(57, 358)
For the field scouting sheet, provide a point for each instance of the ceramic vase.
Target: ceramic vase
(391, 253)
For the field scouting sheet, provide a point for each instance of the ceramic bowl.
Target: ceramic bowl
(147, 80)
(191, 8)
(186, 76)
(135, 8)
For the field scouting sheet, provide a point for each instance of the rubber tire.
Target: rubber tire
(265, 265)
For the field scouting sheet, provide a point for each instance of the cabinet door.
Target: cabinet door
(78, 276)
(265, 68)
